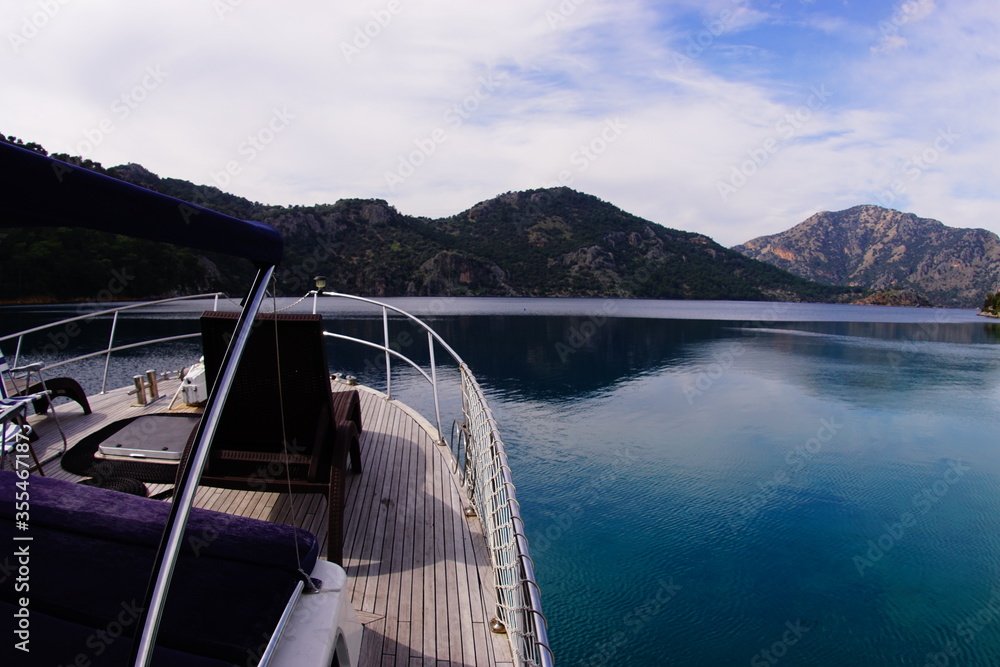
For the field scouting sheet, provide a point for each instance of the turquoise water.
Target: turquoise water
(757, 496)
(707, 483)
(711, 492)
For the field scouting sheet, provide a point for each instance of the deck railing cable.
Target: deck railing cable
(488, 477)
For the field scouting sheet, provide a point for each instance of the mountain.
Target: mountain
(880, 248)
(551, 242)
(559, 242)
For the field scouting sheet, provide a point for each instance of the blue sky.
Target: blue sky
(733, 118)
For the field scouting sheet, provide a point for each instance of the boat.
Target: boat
(130, 540)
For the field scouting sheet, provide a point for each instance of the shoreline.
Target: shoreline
(51, 301)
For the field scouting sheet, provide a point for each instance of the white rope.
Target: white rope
(284, 438)
(290, 306)
(274, 301)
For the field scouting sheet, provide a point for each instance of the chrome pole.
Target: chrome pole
(187, 486)
(17, 352)
(434, 386)
(385, 342)
(107, 359)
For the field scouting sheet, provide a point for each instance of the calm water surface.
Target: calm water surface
(714, 483)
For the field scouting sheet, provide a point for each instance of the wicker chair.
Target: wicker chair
(282, 413)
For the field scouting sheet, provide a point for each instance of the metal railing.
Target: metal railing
(481, 463)
(488, 477)
(111, 336)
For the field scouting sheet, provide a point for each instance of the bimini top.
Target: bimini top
(41, 191)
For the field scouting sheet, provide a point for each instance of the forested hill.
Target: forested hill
(559, 242)
(554, 242)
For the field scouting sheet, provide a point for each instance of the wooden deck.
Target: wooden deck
(418, 568)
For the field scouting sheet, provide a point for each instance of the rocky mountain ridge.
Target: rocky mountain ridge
(880, 248)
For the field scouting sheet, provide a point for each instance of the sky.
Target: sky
(731, 118)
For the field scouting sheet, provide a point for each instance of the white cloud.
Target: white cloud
(364, 87)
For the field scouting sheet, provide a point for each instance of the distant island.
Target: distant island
(895, 296)
(991, 306)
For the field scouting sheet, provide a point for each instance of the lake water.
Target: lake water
(723, 483)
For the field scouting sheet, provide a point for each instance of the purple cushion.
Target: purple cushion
(115, 516)
(93, 549)
(58, 642)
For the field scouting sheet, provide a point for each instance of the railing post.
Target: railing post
(107, 358)
(385, 340)
(17, 352)
(434, 387)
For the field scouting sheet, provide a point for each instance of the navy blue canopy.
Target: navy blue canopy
(40, 191)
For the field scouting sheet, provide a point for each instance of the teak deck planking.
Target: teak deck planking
(417, 567)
